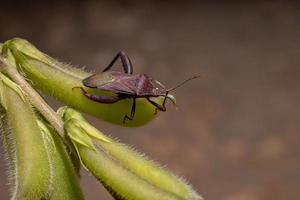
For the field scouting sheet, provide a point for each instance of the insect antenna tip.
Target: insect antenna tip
(185, 81)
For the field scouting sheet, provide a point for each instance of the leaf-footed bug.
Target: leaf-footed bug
(127, 85)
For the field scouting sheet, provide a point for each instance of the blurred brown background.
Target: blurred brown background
(236, 133)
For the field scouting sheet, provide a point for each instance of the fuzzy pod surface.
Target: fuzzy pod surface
(65, 179)
(117, 165)
(30, 164)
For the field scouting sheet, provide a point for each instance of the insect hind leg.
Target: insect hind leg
(99, 98)
(132, 113)
(126, 63)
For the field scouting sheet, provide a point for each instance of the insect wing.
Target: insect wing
(121, 85)
(118, 88)
(98, 80)
(112, 81)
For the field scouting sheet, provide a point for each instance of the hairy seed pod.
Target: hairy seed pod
(65, 180)
(93, 146)
(60, 81)
(30, 165)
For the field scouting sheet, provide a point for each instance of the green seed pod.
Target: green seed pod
(98, 147)
(119, 181)
(61, 80)
(30, 165)
(65, 180)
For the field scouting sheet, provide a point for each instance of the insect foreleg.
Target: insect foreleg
(158, 106)
(132, 112)
(127, 66)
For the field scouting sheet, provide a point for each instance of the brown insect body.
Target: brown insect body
(127, 85)
(133, 85)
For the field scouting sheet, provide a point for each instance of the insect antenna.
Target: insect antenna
(171, 97)
(182, 83)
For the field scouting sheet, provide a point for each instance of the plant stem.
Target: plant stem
(34, 97)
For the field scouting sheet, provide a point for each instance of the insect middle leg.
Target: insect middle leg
(127, 66)
(131, 113)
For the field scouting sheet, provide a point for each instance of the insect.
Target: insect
(126, 85)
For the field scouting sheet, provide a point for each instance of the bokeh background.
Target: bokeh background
(236, 133)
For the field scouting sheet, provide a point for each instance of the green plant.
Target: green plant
(46, 148)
